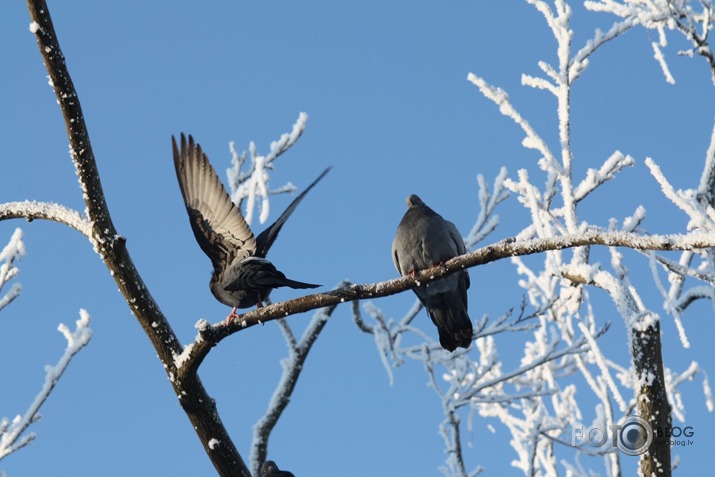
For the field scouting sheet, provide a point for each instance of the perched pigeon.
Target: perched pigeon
(425, 239)
(270, 469)
(242, 277)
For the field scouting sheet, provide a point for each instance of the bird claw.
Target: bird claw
(231, 316)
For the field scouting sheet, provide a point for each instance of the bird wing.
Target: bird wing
(266, 238)
(219, 227)
(461, 250)
(396, 256)
(414, 231)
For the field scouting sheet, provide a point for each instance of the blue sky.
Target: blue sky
(384, 85)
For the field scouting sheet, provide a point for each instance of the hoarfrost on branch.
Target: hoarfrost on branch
(13, 435)
(531, 401)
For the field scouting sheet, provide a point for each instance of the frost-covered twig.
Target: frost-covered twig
(487, 220)
(14, 250)
(662, 15)
(252, 184)
(673, 382)
(580, 59)
(532, 140)
(12, 434)
(702, 216)
(595, 178)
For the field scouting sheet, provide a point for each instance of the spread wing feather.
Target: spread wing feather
(266, 238)
(219, 227)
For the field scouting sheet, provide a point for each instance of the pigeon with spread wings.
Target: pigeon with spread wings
(425, 239)
(242, 277)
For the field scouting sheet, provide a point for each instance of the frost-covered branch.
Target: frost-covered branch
(532, 140)
(12, 433)
(32, 210)
(527, 398)
(595, 178)
(643, 328)
(673, 381)
(562, 285)
(479, 383)
(702, 216)
(698, 204)
(210, 335)
(292, 367)
(664, 15)
(252, 184)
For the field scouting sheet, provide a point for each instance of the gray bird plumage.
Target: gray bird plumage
(270, 469)
(242, 277)
(425, 239)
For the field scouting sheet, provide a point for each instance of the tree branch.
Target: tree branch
(196, 402)
(98, 227)
(31, 210)
(210, 335)
(14, 250)
(292, 368)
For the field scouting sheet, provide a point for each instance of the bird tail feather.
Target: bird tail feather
(295, 284)
(454, 326)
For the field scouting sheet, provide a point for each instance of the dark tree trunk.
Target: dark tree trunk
(653, 403)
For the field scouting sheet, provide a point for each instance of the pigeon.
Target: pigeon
(270, 469)
(242, 277)
(425, 239)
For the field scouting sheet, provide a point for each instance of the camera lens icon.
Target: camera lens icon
(634, 435)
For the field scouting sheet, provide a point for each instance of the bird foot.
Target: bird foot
(232, 315)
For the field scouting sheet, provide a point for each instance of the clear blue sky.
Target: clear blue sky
(384, 85)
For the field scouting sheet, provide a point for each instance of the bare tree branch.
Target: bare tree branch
(211, 335)
(196, 402)
(292, 367)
